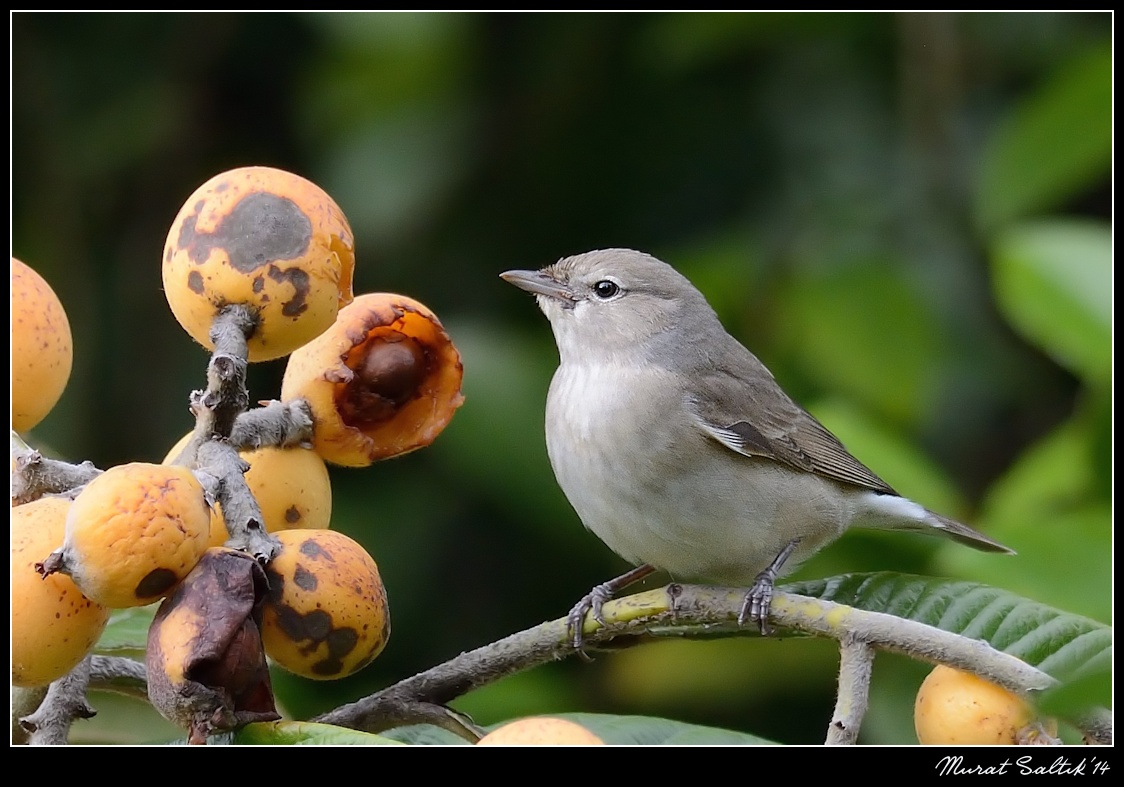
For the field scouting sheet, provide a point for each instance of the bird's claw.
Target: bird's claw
(591, 602)
(595, 599)
(755, 606)
(757, 602)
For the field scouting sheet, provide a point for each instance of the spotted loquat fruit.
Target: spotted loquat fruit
(267, 239)
(326, 614)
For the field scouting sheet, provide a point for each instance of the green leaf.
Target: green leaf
(1053, 281)
(1055, 144)
(1060, 644)
(304, 733)
(1048, 507)
(127, 630)
(424, 735)
(1075, 697)
(613, 730)
(851, 325)
(651, 731)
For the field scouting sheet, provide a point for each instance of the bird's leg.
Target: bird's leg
(596, 598)
(760, 596)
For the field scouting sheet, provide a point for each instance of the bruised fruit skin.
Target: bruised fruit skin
(540, 731)
(53, 625)
(42, 347)
(206, 667)
(265, 238)
(384, 380)
(326, 615)
(133, 533)
(291, 486)
(956, 708)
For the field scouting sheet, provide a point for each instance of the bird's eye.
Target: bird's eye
(606, 289)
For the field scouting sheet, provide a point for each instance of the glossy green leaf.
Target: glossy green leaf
(424, 735)
(304, 733)
(613, 730)
(1049, 507)
(1073, 698)
(127, 630)
(1053, 280)
(649, 731)
(1059, 643)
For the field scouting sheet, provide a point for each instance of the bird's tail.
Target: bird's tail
(968, 536)
(891, 512)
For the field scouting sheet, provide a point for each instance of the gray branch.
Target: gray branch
(65, 702)
(688, 610)
(855, 662)
(35, 476)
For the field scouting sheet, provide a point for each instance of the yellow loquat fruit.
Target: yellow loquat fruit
(956, 708)
(540, 731)
(42, 347)
(54, 626)
(133, 533)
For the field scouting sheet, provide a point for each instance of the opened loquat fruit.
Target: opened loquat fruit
(267, 239)
(384, 380)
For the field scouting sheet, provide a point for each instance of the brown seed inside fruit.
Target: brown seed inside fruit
(390, 373)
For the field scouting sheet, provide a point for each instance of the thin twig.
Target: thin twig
(35, 476)
(855, 662)
(119, 675)
(282, 424)
(210, 452)
(65, 702)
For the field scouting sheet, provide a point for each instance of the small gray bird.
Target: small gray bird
(677, 447)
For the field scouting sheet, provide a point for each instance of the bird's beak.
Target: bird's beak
(538, 283)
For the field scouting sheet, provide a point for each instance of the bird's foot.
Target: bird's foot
(759, 598)
(594, 600)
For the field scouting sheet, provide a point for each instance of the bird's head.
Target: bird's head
(615, 304)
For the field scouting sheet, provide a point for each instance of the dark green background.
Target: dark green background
(839, 185)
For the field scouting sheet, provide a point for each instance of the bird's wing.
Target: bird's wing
(750, 414)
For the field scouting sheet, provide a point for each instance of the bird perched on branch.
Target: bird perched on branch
(677, 447)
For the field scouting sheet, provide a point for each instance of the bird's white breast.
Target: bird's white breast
(657, 490)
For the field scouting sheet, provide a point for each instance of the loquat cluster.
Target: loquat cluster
(243, 559)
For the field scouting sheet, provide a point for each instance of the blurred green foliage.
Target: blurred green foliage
(906, 216)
